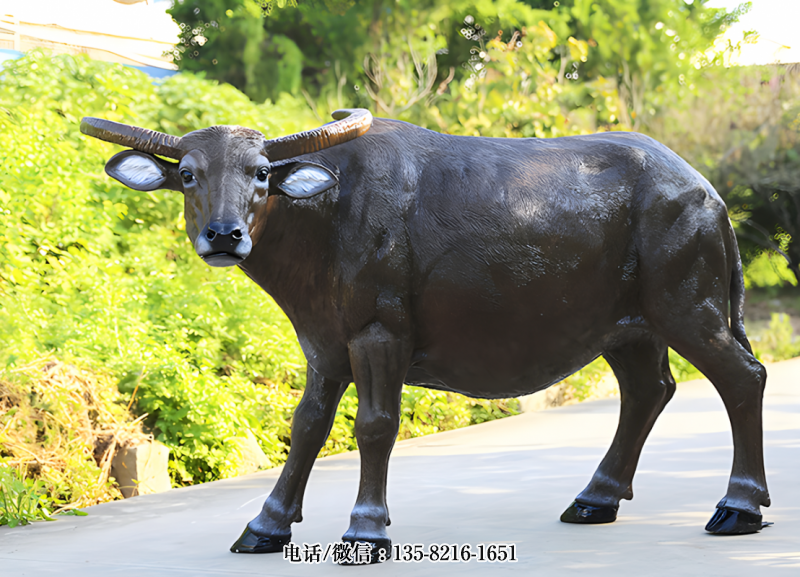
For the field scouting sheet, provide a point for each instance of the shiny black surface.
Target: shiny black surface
(490, 267)
(249, 542)
(588, 514)
(379, 546)
(729, 522)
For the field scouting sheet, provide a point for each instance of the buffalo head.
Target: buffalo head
(224, 173)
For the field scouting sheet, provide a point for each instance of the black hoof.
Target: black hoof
(367, 552)
(249, 542)
(589, 514)
(729, 522)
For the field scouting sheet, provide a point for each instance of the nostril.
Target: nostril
(210, 235)
(237, 234)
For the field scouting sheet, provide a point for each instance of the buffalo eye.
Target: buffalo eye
(187, 176)
(262, 174)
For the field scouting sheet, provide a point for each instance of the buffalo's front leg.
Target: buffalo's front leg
(312, 423)
(379, 362)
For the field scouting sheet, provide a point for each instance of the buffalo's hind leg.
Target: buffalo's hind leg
(311, 425)
(646, 386)
(692, 294)
(739, 379)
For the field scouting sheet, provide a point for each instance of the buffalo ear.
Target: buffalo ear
(306, 180)
(142, 171)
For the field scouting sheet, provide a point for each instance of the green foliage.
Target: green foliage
(422, 412)
(482, 410)
(542, 73)
(104, 275)
(24, 499)
(682, 370)
(20, 499)
(513, 90)
(649, 48)
(425, 411)
(227, 39)
(778, 342)
(740, 129)
(760, 176)
(769, 271)
(607, 62)
(583, 384)
(96, 271)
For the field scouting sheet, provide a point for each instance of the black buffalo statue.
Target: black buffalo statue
(491, 267)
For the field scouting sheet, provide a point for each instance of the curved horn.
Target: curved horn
(350, 123)
(138, 138)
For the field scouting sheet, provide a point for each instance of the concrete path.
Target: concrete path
(502, 482)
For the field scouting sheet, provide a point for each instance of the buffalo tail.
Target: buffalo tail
(737, 299)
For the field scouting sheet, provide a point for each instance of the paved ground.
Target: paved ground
(506, 481)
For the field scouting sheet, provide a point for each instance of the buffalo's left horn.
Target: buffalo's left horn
(137, 138)
(350, 123)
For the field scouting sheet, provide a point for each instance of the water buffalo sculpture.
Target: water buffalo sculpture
(491, 267)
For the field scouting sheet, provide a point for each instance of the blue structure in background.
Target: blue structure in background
(151, 71)
(6, 54)
(154, 72)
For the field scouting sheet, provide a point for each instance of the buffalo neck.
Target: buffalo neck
(292, 258)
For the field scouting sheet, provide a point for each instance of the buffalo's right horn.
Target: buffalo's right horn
(350, 123)
(137, 138)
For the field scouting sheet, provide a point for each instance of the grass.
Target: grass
(59, 428)
(21, 498)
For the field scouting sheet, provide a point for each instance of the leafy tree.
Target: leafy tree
(265, 49)
(511, 89)
(647, 48)
(760, 176)
(239, 51)
(325, 42)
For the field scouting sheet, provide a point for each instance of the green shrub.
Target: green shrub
(582, 384)
(103, 275)
(20, 498)
(769, 271)
(777, 342)
(682, 370)
(95, 271)
(422, 412)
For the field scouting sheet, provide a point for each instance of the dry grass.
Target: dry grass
(63, 425)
